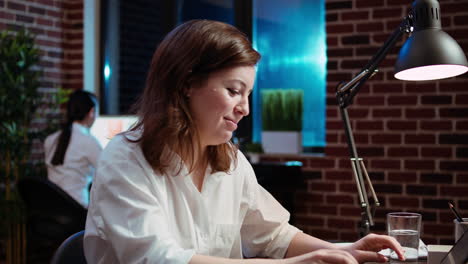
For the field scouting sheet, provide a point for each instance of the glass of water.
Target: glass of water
(405, 228)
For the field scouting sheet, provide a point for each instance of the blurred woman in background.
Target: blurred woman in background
(71, 153)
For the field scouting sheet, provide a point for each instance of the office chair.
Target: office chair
(51, 214)
(70, 251)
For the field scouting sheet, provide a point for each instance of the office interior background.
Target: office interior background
(413, 136)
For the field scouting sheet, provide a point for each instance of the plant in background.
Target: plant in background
(282, 109)
(20, 103)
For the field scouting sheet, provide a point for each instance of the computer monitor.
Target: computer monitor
(106, 127)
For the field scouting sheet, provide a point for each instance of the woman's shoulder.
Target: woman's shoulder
(120, 146)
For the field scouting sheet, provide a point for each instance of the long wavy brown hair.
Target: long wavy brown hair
(188, 54)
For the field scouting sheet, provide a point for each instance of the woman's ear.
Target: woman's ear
(90, 117)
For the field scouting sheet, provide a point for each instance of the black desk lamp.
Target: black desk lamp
(428, 54)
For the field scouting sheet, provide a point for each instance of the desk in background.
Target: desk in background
(282, 180)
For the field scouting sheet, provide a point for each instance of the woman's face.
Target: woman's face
(218, 103)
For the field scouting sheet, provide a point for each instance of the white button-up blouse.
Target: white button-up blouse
(139, 216)
(77, 170)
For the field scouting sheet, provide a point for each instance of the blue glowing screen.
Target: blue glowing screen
(291, 36)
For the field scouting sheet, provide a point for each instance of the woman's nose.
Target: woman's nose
(243, 107)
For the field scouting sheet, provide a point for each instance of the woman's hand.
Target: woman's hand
(365, 249)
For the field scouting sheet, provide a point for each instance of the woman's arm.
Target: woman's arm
(363, 250)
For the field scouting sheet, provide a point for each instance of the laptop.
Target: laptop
(459, 252)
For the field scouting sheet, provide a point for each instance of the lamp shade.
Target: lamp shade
(429, 53)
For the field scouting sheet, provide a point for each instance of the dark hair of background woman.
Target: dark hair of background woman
(187, 54)
(78, 106)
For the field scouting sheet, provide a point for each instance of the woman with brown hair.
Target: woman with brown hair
(175, 189)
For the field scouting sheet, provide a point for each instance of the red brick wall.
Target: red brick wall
(413, 136)
(58, 27)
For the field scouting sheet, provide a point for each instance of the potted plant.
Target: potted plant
(253, 151)
(282, 120)
(20, 103)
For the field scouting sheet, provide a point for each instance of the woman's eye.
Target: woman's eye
(233, 91)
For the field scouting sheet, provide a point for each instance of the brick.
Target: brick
(421, 190)
(436, 125)
(358, 113)
(388, 188)
(355, 39)
(350, 211)
(338, 175)
(25, 19)
(454, 191)
(378, 14)
(461, 20)
(454, 112)
(347, 187)
(36, 10)
(336, 151)
(401, 125)
(438, 229)
(461, 125)
(369, 125)
(6, 15)
(435, 204)
(339, 52)
(376, 176)
(383, 113)
(385, 164)
(420, 113)
(340, 223)
(419, 139)
(418, 87)
(454, 165)
(437, 100)
(355, 15)
(463, 204)
(370, 100)
(456, 139)
(386, 139)
(402, 177)
(388, 88)
(331, 17)
(402, 100)
(462, 178)
(404, 202)
(402, 152)
(370, 27)
(332, 41)
(341, 28)
(365, 51)
(367, 3)
(16, 6)
(338, 5)
(371, 151)
(461, 99)
(339, 199)
(462, 152)
(322, 163)
(352, 64)
(441, 152)
(328, 210)
(419, 164)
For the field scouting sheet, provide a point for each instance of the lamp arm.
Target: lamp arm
(345, 94)
(346, 91)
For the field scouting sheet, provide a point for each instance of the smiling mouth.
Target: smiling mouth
(231, 124)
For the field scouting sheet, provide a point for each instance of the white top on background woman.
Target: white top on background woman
(71, 153)
(176, 190)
